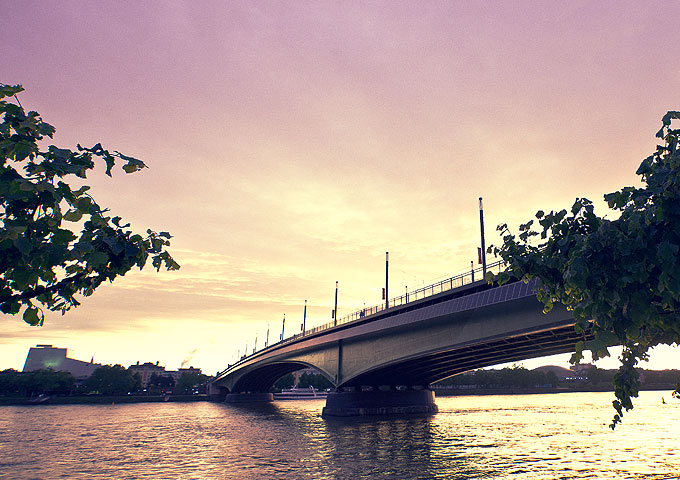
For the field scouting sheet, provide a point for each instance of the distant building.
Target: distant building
(582, 370)
(181, 371)
(41, 357)
(146, 370)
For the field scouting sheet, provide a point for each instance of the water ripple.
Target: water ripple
(531, 437)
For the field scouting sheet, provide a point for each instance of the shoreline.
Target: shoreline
(439, 392)
(459, 392)
(101, 399)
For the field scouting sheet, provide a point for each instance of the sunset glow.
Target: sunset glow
(291, 144)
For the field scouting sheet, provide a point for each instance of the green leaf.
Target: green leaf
(33, 316)
(73, 216)
(131, 168)
(36, 198)
(97, 259)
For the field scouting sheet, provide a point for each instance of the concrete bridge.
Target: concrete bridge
(384, 362)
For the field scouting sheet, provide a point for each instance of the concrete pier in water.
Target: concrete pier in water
(248, 397)
(377, 402)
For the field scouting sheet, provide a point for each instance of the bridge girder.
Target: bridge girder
(420, 344)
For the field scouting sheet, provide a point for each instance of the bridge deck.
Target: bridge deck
(457, 286)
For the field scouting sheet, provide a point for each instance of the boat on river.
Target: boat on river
(300, 394)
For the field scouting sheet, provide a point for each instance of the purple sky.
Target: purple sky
(291, 144)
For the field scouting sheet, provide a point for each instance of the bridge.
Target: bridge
(383, 359)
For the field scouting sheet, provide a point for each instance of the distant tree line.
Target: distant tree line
(112, 380)
(30, 384)
(515, 376)
(105, 380)
(520, 377)
(316, 380)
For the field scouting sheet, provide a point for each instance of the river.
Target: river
(558, 436)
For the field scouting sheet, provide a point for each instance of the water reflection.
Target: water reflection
(531, 437)
(373, 447)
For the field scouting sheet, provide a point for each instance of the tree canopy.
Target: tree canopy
(36, 382)
(189, 380)
(113, 380)
(620, 277)
(43, 261)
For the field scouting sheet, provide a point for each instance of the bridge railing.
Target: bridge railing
(451, 283)
(445, 285)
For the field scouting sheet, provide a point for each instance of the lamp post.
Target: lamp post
(266, 341)
(481, 226)
(304, 317)
(387, 278)
(335, 310)
(283, 326)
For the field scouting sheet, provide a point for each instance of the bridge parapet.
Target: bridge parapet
(452, 283)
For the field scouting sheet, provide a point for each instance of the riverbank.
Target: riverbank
(452, 392)
(100, 399)
(439, 392)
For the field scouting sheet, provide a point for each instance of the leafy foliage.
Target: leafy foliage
(305, 380)
(42, 261)
(287, 381)
(621, 278)
(113, 380)
(513, 377)
(316, 380)
(160, 382)
(36, 382)
(189, 380)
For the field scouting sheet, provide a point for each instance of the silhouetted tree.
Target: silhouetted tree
(620, 277)
(113, 380)
(43, 262)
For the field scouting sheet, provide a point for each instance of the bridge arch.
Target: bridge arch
(415, 344)
(430, 367)
(261, 379)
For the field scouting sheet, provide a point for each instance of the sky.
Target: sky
(291, 144)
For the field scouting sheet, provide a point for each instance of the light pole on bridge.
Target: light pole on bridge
(481, 226)
(335, 310)
(304, 317)
(387, 278)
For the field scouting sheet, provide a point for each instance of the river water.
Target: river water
(558, 436)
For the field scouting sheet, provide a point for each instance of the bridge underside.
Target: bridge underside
(417, 345)
(427, 369)
(263, 379)
(424, 370)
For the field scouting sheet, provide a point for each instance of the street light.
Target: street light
(335, 310)
(304, 317)
(387, 278)
(481, 226)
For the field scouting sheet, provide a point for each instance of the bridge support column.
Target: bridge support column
(249, 397)
(216, 393)
(378, 402)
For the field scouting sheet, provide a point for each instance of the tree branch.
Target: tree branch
(40, 290)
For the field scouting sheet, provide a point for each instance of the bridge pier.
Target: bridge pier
(379, 402)
(249, 397)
